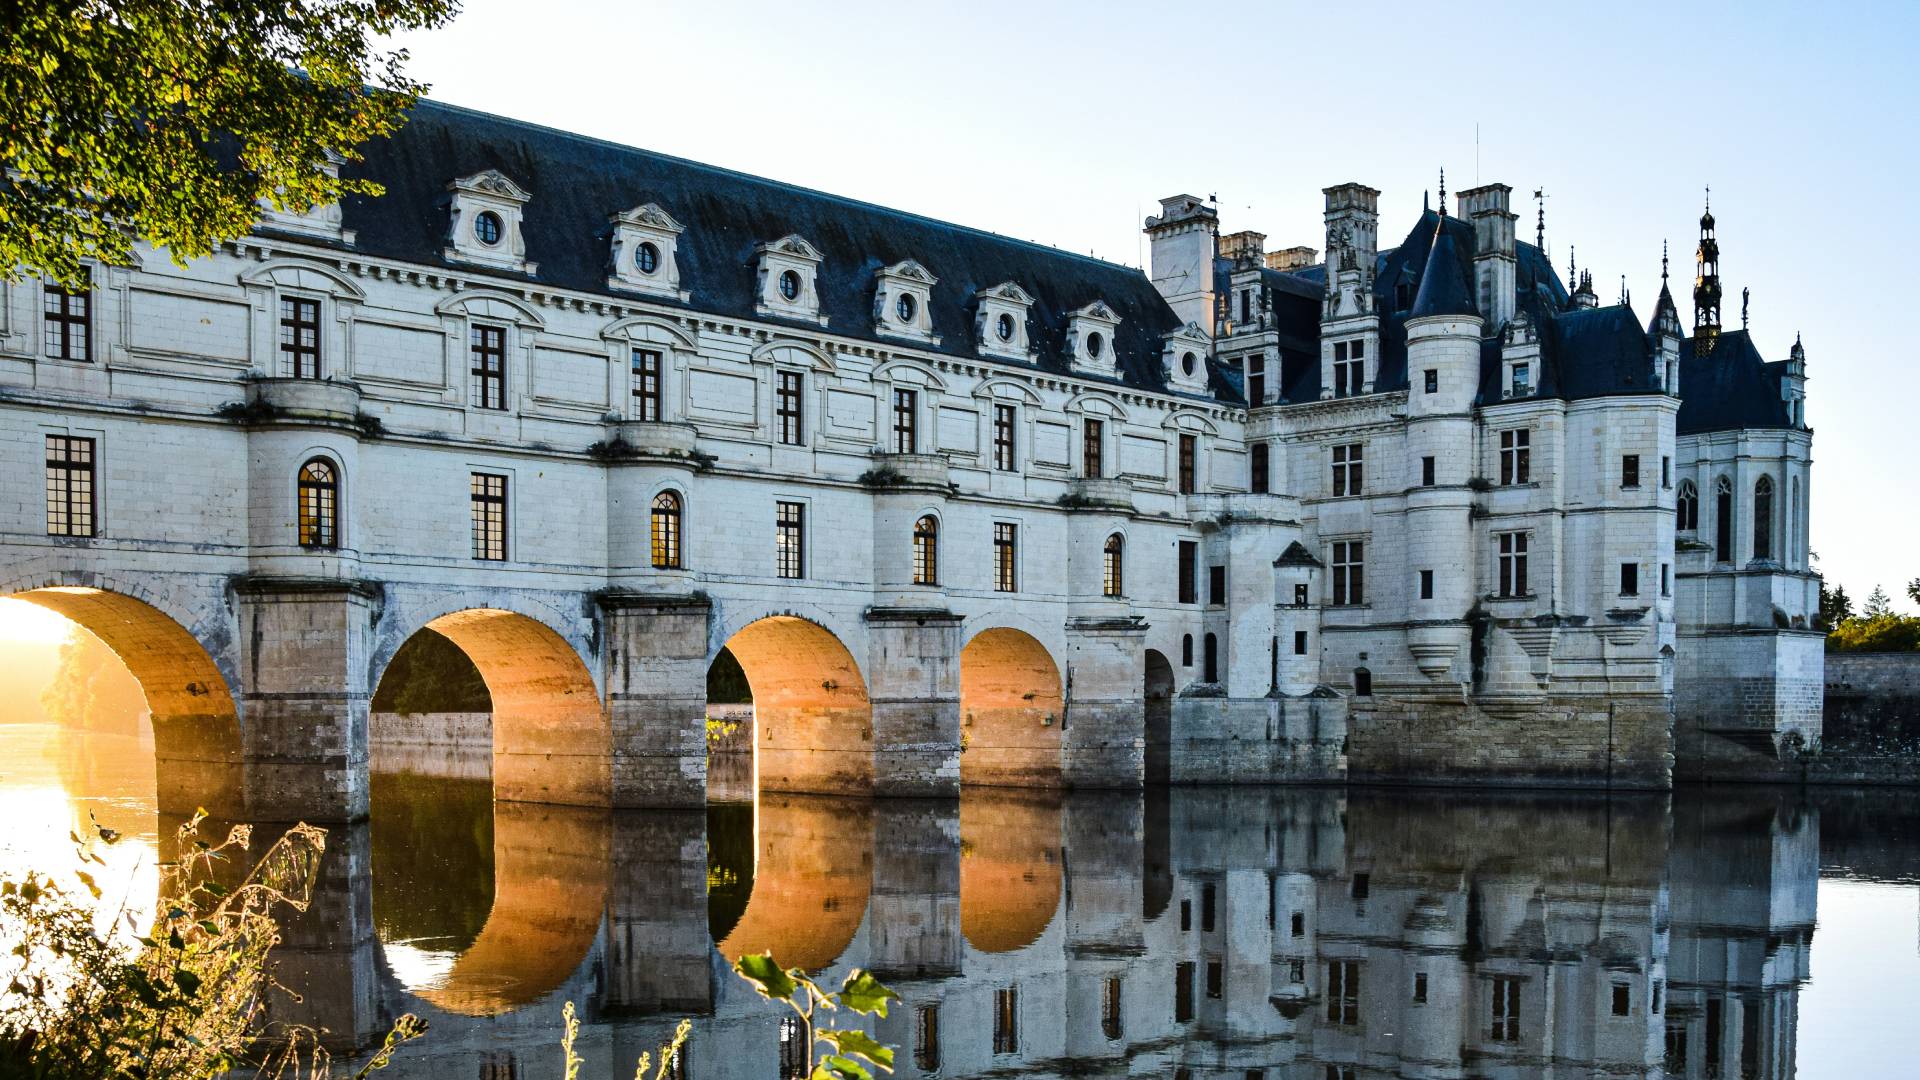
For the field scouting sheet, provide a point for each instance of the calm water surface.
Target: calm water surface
(1211, 933)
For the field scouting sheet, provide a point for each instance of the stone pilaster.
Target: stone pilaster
(656, 664)
(913, 683)
(914, 909)
(1104, 741)
(328, 953)
(657, 938)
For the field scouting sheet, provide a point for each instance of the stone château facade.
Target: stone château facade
(966, 509)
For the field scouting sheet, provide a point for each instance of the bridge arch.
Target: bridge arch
(1011, 706)
(812, 718)
(551, 742)
(809, 881)
(197, 737)
(1010, 868)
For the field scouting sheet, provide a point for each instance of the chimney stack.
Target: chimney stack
(1293, 258)
(1245, 247)
(1494, 261)
(1184, 236)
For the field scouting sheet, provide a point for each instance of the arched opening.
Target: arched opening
(543, 724)
(1687, 508)
(790, 874)
(1362, 682)
(1010, 863)
(195, 725)
(319, 502)
(1763, 518)
(1158, 692)
(1010, 709)
(665, 534)
(811, 721)
(1723, 520)
(1113, 580)
(1210, 659)
(926, 550)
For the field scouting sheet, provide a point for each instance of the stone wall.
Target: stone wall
(447, 745)
(1561, 742)
(1872, 701)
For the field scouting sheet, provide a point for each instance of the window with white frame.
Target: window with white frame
(1349, 568)
(1347, 476)
(1512, 563)
(1516, 456)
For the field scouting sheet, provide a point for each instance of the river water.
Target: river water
(1308, 934)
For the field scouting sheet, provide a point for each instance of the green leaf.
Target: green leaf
(187, 981)
(860, 1044)
(840, 1068)
(766, 976)
(865, 994)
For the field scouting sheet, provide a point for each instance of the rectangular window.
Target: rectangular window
(1629, 579)
(1513, 563)
(788, 410)
(1216, 585)
(1506, 1010)
(1522, 380)
(1186, 916)
(1299, 643)
(790, 539)
(1630, 471)
(1349, 368)
(488, 348)
(1622, 999)
(1111, 1011)
(1300, 595)
(1003, 444)
(1005, 537)
(1362, 886)
(1346, 469)
(1349, 572)
(1090, 440)
(1666, 471)
(489, 499)
(1516, 456)
(1206, 908)
(1189, 451)
(70, 486)
(1666, 580)
(1419, 988)
(299, 337)
(1433, 381)
(1426, 472)
(67, 322)
(906, 429)
(1006, 1020)
(926, 1039)
(646, 385)
(1246, 306)
(1298, 924)
(1183, 992)
(1189, 562)
(1256, 381)
(1343, 992)
(1296, 971)
(1259, 479)
(1216, 978)
(1426, 584)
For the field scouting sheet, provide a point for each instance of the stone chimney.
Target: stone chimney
(1246, 247)
(1184, 236)
(1353, 220)
(1494, 262)
(1293, 258)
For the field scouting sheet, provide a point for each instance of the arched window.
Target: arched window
(1362, 682)
(1210, 669)
(1793, 524)
(1687, 508)
(666, 531)
(319, 505)
(1763, 518)
(1186, 651)
(926, 551)
(1723, 520)
(1112, 560)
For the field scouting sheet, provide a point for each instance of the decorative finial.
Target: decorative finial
(1443, 191)
(1745, 295)
(1663, 263)
(1573, 275)
(1623, 291)
(1540, 229)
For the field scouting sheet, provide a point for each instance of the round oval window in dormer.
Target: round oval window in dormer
(647, 258)
(905, 307)
(486, 227)
(790, 285)
(1095, 343)
(1187, 363)
(1004, 327)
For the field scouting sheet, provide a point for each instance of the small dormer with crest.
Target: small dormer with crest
(485, 227)
(1000, 322)
(1183, 359)
(903, 302)
(1519, 357)
(321, 220)
(1090, 339)
(789, 279)
(644, 253)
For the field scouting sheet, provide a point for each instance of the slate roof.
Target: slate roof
(578, 183)
(1443, 282)
(1730, 388)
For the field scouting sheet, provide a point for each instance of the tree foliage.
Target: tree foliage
(851, 1050)
(1913, 590)
(1878, 633)
(1835, 605)
(1878, 604)
(172, 121)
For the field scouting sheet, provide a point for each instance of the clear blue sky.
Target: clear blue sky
(1064, 123)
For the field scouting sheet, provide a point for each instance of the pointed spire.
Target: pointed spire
(1443, 284)
(1663, 263)
(1706, 285)
(1624, 301)
(1443, 191)
(1573, 274)
(1426, 201)
(1540, 228)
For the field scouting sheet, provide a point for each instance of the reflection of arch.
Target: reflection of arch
(1009, 868)
(196, 728)
(550, 738)
(812, 874)
(1010, 709)
(1159, 698)
(813, 722)
(549, 891)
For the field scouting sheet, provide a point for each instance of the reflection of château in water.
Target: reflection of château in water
(1205, 934)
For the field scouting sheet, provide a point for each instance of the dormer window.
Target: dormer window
(485, 228)
(1183, 359)
(321, 219)
(901, 297)
(789, 270)
(1522, 380)
(1090, 336)
(643, 256)
(1000, 321)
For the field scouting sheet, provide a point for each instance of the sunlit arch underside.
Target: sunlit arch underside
(196, 727)
(551, 743)
(1009, 868)
(812, 875)
(813, 723)
(1010, 707)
